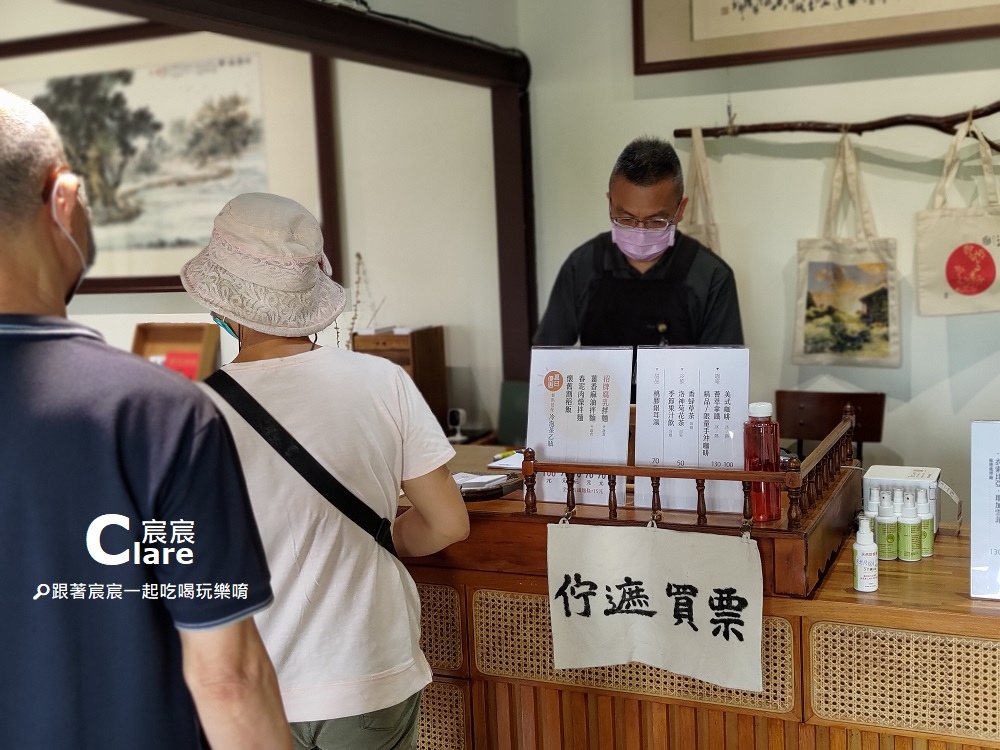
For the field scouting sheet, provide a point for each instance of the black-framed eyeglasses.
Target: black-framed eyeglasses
(630, 222)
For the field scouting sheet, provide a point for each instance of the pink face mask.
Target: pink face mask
(643, 244)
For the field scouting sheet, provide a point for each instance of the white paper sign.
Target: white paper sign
(687, 602)
(578, 411)
(690, 406)
(985, 501)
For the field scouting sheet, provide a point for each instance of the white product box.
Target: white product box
(909, 478)
(985, 510)
(578, 412)
(690, 406)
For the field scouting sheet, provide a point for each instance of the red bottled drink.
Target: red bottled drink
(762, 453)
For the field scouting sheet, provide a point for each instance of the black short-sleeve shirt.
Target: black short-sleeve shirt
(90, 652)
(710, 284)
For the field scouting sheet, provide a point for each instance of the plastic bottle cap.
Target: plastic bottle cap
(865, 531)
(873, 496)
(885, 507)
(909, 507)
(897, 494)
(923, 504)
(760, 409)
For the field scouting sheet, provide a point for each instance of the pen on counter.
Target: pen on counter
(506, 454)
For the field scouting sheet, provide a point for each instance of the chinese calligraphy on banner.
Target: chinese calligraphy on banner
(687, 602)
(578, 411)
(690, 406)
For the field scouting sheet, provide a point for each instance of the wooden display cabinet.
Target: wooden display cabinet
(421, 353)
(192, 349)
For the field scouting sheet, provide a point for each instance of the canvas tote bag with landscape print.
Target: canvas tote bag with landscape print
(847, 307)
(699, 218)
(956, 253)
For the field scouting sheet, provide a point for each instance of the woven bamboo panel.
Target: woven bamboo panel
(514, 639)
(912, 681)
(442, 718)
(440, 626)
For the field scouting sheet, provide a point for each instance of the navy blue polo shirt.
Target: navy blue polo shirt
(94, 440)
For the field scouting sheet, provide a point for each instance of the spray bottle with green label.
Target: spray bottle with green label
(926, 524)
(885, 528)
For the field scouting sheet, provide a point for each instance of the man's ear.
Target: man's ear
(680, 210)
(64, 194)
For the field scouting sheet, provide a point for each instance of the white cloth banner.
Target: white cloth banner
(687, 602)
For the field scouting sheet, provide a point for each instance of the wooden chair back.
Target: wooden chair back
(810, 415)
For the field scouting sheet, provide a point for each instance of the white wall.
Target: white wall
(586, 104)
(417, 173)
(23, 19)
(769, 192)
(416, 158)
(491, 20)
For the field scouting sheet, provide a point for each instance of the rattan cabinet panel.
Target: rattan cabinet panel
(444, 716)
(916, 682)
(513, 639)
(441, 626)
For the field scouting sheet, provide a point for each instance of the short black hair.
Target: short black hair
(647, 161)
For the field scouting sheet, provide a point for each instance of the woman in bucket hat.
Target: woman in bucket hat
(344, 629)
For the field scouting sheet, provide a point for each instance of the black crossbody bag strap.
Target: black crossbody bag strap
(301, 460)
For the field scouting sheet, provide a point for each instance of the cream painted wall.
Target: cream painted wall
(416, 159)
(769, 190)
(23, 19)
(586, 104)
(492, 20)
(416, 156)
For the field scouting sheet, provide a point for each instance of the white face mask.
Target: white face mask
(85, 264)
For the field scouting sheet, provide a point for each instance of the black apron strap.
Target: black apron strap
(640, 311)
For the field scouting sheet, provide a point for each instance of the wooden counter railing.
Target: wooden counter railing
(806, 483)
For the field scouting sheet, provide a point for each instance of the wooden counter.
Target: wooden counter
(913, 666)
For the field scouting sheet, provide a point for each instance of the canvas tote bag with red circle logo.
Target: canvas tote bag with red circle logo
(957, 249)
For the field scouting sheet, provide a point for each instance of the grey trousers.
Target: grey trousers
(393, 728)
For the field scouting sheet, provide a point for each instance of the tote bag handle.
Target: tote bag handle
(699, 187)
(845, 170)
(952, 162)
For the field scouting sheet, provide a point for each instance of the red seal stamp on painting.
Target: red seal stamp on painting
(970, 269)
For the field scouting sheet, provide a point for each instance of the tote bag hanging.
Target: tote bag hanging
(847, 307)
(957, 248)
(699, 218)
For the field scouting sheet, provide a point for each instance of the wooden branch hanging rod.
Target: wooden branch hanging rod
(946, 124)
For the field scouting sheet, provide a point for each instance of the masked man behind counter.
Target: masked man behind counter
(644, 282)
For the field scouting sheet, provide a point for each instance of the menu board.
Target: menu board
(690, 406)
(578, 412)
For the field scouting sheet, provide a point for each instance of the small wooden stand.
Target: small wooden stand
(822, 495)
(189, 348)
